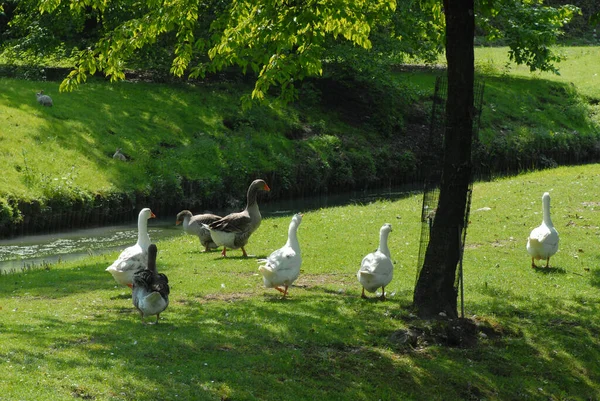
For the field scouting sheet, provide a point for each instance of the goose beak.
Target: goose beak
(178, 222)
(152, 215)
(266, 188)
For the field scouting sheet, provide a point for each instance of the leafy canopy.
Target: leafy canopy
(528, 28)
(279, 40)
(284, 41)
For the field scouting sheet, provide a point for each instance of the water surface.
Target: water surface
(35, 250)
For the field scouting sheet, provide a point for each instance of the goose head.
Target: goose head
(146, 214)
(297, 219)
(255, 186)
(181, 216)
(259, 185)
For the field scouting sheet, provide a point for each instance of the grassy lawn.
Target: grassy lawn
(200, 133)
(578, 67)
(158, 126)
(67, 332)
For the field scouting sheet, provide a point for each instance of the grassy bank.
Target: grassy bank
(577, 68)
(67, 332)
(192, 146)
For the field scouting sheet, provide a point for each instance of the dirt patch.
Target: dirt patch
(463, 333)
(224, 297)
(310, 280)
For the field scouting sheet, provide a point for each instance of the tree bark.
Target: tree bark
(435, 291)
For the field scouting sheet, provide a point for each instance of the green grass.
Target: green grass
(523, 99)
(67, 332)
(174, 131)
(166, 130)
(577, 68)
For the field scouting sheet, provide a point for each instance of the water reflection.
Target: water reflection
(19, 253)
(35, 250)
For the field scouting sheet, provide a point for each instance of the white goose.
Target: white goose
(376, 269)
(135, 257)
(543, 240)
(282, 267)
(150, 293)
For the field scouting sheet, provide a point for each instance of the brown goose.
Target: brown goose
(195, 225)
(150, 288)
(233, 230)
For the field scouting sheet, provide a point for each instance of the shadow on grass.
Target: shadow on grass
(547, 339)
(315, 344)
(264, 348)
(550, 270)
(595, 280)
(57, 283)
(219, 258)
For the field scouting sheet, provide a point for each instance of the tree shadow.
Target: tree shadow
(595, 280)
(198, 343)
(316, 341)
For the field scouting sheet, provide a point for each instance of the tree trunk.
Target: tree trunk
(435, 292)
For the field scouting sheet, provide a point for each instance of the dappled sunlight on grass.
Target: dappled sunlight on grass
(70, 330)
(91, 122)
(577, 68)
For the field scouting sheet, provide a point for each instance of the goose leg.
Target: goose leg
(382, 297)
(244, 252)
(363, 294)
(280, 290)
(285, 292)
(533, 266)
(547, 262)
(224, 252)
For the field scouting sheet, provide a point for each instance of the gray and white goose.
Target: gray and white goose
(234, 230)
(150, 288)
(196, 225)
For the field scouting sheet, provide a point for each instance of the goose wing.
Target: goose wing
(232, 223)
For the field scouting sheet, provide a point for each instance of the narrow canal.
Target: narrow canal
(20, 253)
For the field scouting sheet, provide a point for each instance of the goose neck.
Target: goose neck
(383, 246)
(251, 197)
(143, 237)
(253, 210)
(292, 234)
(152, 262)
(546, 212)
